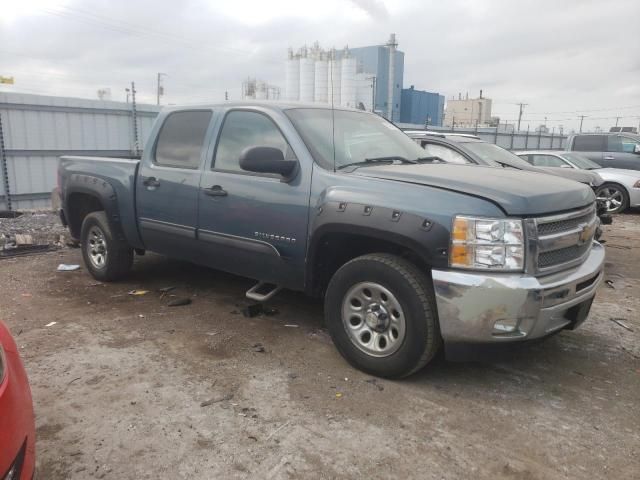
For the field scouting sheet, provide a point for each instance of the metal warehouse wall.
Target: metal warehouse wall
(37, 129)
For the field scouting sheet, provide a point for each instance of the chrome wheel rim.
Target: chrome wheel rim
(97, 247)
(373, 319)
(612, 197)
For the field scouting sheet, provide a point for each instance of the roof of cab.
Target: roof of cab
(268, 104)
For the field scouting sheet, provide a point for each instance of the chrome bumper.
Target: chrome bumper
(488, 307)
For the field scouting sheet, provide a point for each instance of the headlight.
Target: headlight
(637, 184)
(485, 243)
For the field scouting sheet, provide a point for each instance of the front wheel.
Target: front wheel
(106, 257)
(614, 197)
(380, 311)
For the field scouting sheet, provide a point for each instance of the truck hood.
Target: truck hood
(516, 192)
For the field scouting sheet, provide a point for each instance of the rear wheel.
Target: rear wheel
(380, 311)
(106, 257)
(614, 197)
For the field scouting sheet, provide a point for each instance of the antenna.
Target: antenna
(333, 116)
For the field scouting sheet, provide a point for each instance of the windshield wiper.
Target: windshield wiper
(431, 158)
(392, 158)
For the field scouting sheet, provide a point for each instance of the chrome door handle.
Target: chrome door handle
(215, 191)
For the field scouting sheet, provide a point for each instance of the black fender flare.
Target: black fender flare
(423, 236)
(100, 189)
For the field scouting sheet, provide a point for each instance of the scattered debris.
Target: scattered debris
(50, 324)
(338, 395)
(620, 321)
(138, 292)
(291, 325)
(609, 283)
(23, 239)
(374, 382)
(64, 267)
(27, 295)
(278, 429)
(178, 302)
(251, 437)
(253, 310)
(166, 289)
(258, 347)
(292, 376)
(224, 398)
(10, 214)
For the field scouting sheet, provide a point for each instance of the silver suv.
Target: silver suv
(613, 150)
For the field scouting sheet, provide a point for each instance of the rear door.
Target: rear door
(620, 152)
(168, 182)
(591, 146)
(253, 224)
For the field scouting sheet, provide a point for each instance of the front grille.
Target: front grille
(564, 239)
(563, 255)
(563, 225)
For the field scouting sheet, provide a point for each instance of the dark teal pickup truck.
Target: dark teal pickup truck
(408, 254)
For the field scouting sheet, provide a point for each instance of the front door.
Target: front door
(253, 224)
(168, 182)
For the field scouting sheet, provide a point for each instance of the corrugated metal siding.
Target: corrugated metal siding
(38, 129)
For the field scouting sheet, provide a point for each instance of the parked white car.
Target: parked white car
(620, 190)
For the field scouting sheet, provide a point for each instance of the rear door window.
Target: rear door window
(181, 139)
(588, 143)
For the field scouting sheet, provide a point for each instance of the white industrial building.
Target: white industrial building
(357, 78)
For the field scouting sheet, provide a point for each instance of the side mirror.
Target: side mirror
(267, 160)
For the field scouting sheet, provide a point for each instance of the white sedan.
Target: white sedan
(620, 190)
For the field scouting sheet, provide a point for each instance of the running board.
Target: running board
(261, 291)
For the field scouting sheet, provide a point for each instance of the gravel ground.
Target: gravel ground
(126, 387)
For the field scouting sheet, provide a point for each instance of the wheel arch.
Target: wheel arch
(84, 194)
(334, 244)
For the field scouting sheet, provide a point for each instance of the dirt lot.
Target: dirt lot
(128, 388)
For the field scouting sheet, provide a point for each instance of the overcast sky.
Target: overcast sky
(563, 58)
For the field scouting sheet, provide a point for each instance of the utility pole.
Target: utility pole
(159, 87)
(134, 114)
(226, 95)
(617, 118)
(521, 105)
(582, 117)
(128, 90)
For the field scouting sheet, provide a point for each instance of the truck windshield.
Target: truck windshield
(359, 137)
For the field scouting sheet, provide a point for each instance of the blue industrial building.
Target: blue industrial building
(375, 60)
(418, 106)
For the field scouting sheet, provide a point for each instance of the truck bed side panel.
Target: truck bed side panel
(112, 180)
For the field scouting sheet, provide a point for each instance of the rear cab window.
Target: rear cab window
(181, 138)
(588, 143)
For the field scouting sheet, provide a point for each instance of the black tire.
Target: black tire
(609, 190)
(412, 289)
(118, 256)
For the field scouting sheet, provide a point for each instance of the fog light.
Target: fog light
(506, 325)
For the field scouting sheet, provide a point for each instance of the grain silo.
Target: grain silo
(292, 77)
(348, 80)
